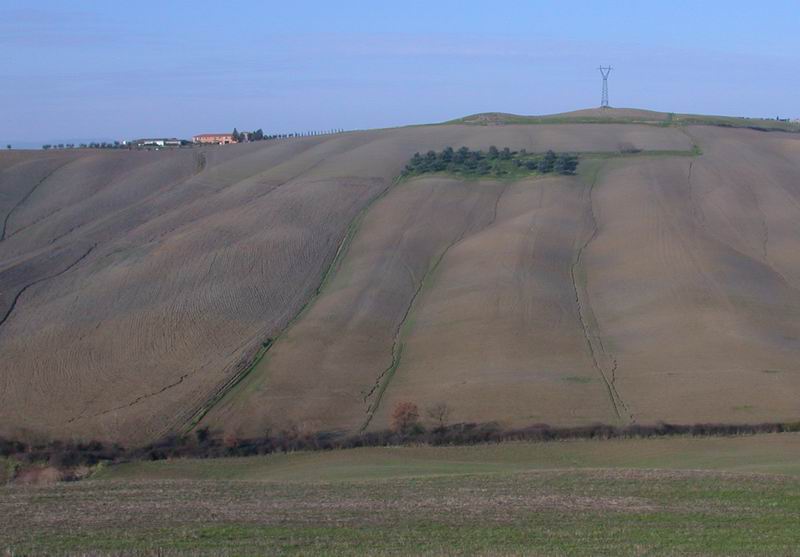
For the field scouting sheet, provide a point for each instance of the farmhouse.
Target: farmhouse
(216, 138)
(155, 142)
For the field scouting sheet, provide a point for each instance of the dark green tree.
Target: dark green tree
(547, 162)
(569, 164)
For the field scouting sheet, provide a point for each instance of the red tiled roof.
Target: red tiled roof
(214, 135)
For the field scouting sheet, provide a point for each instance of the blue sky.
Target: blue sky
(86, 69)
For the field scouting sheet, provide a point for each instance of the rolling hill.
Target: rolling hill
(298, 283)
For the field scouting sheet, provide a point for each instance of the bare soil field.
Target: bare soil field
(660, 283)
(134, 283)
(644, 289)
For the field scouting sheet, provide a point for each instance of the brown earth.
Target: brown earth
(135, 285)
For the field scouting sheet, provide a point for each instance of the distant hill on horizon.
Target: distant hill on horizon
(631, 116)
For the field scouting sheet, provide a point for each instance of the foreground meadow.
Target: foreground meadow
(679, 496)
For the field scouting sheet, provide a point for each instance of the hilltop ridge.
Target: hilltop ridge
(628, 116)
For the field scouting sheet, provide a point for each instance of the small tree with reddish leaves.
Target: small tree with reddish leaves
(405, 417)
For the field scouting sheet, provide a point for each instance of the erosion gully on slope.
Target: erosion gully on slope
(26, 197)
(385, 377)
(586, 315)
(40, 280)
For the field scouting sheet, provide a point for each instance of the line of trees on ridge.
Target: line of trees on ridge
(259, 135)
(93, 145)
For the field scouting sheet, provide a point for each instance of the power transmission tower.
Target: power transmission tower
(604, 72)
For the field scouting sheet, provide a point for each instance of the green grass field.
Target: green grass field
(772, 453)
(668, 496)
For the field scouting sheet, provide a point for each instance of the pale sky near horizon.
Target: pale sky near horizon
(82, 70)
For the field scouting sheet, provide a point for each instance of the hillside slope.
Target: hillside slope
(137, 286)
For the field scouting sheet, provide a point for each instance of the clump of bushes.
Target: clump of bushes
(494, 162)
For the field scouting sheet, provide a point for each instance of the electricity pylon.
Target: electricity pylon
(604, 72)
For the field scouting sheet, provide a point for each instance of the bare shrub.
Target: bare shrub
(439, 412)
(37, 475)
